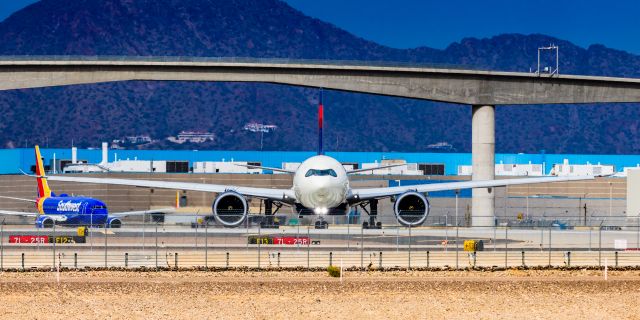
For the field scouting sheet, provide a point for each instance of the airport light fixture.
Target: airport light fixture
(548, 70)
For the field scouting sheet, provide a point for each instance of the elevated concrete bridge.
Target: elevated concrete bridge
(483, 90)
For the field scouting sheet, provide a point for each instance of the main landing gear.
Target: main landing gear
(373, 215)
(269, 220)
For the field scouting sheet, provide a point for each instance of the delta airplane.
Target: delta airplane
(67, 210)
(320, 186)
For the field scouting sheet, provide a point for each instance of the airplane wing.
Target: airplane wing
(19, 199)
(372, 193)
(376, 168)
(275, 194)
(18, 213)
(55, 217)
(264, 168)
(142, 212)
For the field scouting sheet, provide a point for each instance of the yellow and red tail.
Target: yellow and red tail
(43, 186)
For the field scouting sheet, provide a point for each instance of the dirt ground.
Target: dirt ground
(511, 294)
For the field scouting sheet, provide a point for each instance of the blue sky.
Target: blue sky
(413, 23)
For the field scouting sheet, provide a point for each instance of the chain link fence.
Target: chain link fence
(304, 243)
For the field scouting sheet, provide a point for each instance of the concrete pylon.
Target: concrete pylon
(483, 142)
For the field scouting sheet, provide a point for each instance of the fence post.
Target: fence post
(54, 245)
(330, 259)
(506, 245)
(457, 245)
(474, 259)
(523, 263)
(22, 261)
(176, 260)
(428, 259)
(409, 268)
(380, 261)
(105, 246)
(156, 245)
(308, 246)
(206, 244)
(600, 245)
(616, 258)
(549, 246)
(259, 240)
(2, 246)
(278, 259)
(75, 260)
(227, 265)
(361, 247)
(569, 258)
(126, 259)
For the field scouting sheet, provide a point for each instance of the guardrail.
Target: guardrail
(359, 63)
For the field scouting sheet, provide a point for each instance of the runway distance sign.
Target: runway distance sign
(279, 240)
(33, 239)
(29, 239)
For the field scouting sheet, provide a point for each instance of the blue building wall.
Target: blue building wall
(14, 160)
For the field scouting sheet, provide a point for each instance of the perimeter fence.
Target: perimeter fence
(304, 243)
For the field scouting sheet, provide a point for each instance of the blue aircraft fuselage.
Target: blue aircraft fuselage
(78, 211)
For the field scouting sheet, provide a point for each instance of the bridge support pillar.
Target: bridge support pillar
(483, 143)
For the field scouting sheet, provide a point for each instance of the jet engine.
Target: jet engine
(114, 223)
(230, 209)
(44, 222)
(411, 208)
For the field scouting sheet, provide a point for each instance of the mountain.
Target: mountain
(88, 114)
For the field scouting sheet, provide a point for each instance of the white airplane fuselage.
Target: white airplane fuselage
(321, 183)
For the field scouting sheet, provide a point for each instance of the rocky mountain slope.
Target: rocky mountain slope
(88, 114)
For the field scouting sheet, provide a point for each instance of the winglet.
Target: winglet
(43, 186)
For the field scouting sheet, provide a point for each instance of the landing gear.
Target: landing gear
(321, 224)
(269, 220)
(373, 215)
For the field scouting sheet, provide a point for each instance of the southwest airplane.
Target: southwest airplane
(66, 210)
(320, 186)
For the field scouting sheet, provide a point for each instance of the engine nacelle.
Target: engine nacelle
(114, 222)
(44, 222)
(411, 208)
(230, 209)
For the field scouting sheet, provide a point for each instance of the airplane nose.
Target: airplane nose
(322, 192)
(321, 184)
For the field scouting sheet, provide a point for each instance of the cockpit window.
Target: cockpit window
(98, 207)
(316, 172)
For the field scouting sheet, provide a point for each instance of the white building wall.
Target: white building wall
(633, 190)
(566, 169)
(514, 170)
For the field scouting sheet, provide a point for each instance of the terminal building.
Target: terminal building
(577, 202)
(201, 161)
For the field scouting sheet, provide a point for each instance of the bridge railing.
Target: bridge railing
(344, 62)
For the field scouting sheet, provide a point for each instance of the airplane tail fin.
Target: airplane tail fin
(320, 121)
(43, 186)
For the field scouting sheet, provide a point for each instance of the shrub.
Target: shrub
(334, 271)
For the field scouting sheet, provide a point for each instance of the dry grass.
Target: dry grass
(315, 295)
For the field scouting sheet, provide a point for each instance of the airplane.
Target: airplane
(69, 210)
(321, 187)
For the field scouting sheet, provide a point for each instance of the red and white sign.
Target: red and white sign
(28, 239)
(291, 240)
